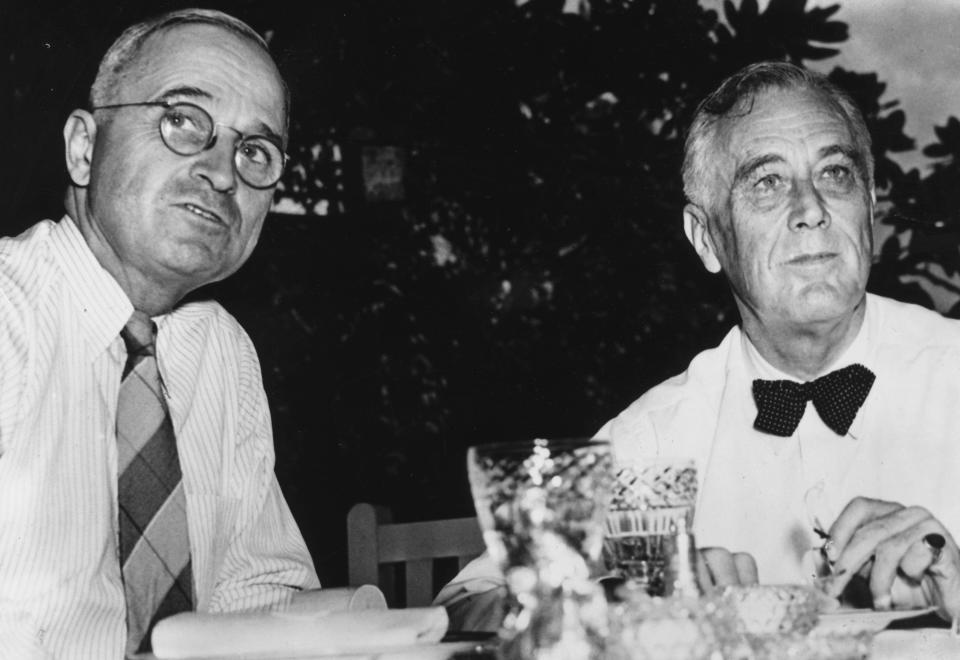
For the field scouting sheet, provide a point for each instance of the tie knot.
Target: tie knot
(139, 334)
(808, 390)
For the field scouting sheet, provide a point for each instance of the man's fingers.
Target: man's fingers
(891, 537)
(865, 541)
(945, 579)
(746, 568)
(902, 552)
(919, 556)
(718, 567)
(858, 512)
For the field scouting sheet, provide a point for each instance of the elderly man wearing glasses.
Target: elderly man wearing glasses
(136, 452)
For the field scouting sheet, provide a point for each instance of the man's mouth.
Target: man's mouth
(811, 259)
(203, 213)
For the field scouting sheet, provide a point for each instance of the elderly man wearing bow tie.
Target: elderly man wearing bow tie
(829, 413)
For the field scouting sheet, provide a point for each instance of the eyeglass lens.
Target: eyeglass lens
(187, 130)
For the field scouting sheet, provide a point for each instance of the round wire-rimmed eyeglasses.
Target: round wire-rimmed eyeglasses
(187, 129)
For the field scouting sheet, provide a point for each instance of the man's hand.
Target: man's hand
(886, 542)
(718, 567)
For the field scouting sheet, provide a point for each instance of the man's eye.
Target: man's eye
(182, 121)
(255, 153)
(837, 173)
(177, 119)
(838, 178)
(767, 183)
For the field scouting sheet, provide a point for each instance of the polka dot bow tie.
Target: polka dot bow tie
(837, 397)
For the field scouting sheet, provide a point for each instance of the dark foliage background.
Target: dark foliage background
(533, 279)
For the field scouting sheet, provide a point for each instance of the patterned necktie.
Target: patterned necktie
(837, 397)
(154, 546)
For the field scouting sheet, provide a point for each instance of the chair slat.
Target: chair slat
(419, 583)
(454, 537)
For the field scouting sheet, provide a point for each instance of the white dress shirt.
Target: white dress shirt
(61, 359)
(761, 493)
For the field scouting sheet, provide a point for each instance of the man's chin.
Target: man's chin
(193, 266)
(819, 309)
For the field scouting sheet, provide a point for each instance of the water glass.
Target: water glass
(541, 507)
(649, 524)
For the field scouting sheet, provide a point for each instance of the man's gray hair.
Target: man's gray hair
(733, 97)
(125, 49)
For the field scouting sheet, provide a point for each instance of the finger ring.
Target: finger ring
(828, 549)
(935, 543)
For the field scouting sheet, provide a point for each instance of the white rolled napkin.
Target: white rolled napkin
(292, 633)
(338, 599)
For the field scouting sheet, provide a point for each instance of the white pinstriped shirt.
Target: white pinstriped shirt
(61, 359)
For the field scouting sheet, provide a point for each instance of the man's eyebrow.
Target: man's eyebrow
(753, 164)
(267, 132)
(843, 149)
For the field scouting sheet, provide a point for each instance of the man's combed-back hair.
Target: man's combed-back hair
(123, 53)
(733, 98)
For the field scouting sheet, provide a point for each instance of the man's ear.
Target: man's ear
(79, 135)
(695, 227)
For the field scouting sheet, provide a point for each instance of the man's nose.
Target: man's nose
(215, 165)
(808, 208)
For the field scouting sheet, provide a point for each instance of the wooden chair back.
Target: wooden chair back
(377, 547)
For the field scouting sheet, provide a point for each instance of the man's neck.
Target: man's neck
(805, 351)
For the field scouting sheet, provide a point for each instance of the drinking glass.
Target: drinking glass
(648, 538)
(541, 506)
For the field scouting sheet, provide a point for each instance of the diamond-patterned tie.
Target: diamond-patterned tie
(837, 397)
(154, 546)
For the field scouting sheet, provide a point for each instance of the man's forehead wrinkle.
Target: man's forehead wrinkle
(186, 90)
(778, 127)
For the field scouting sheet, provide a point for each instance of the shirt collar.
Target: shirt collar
(103, 307)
